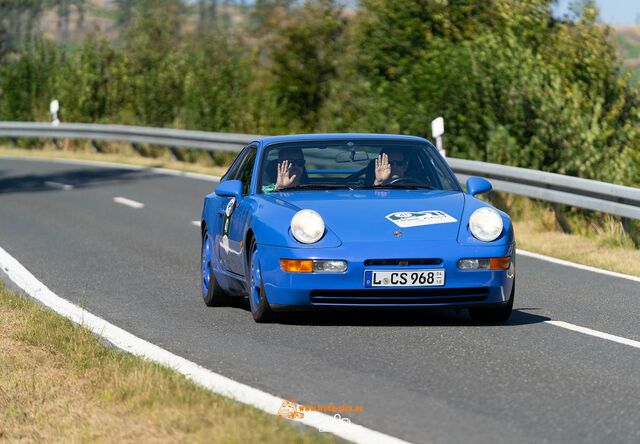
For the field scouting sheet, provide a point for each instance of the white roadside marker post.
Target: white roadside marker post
(54, 108)
(437, 131)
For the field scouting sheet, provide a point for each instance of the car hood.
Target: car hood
(382, 215)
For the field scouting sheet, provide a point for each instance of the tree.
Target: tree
(18, 23)
(207, 14)
(305, 56)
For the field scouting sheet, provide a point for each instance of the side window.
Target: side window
(246, 170)
(232, 172)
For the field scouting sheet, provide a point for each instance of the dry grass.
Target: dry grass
(576, 248)
(59, 384)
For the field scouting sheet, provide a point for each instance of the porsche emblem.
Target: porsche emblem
(397, 233)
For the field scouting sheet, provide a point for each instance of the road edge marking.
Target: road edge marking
(576, 265)
(202, 376)
(596, 333)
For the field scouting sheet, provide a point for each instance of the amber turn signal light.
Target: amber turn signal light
(499, 263)
(296, 266)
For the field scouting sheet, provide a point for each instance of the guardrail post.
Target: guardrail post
(97, 148)
(136, 148)
(562, 221)
(174, 154)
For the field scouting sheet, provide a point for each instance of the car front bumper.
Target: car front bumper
(291, 291)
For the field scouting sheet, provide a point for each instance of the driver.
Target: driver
(389, 166)
(290, 169)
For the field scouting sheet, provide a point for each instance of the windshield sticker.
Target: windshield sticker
(406, 219)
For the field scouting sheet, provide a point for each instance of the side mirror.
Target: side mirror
(229, 188)
(478, 185)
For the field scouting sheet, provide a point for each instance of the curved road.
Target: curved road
(427, 377)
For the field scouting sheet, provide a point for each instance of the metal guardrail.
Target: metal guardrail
(567, 190)
(583, 193)
(134, 134)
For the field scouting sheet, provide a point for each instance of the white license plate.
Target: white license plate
(403, 278)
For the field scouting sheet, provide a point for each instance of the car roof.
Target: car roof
(339, 136)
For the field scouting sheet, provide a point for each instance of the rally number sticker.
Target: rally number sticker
(406, 219)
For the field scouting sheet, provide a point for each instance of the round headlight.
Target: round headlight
(485, 224)
(307, 226)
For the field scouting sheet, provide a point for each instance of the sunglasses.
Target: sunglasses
(397, 163)
(296, 162)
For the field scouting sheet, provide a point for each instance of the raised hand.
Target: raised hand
(383, 169)
(284, 180)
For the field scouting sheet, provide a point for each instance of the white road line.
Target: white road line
(596, 333)
(200, 375)
(579, 266)
(196, 223)
(58, 185)
(128, 202)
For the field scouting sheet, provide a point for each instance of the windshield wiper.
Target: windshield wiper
(314, 186)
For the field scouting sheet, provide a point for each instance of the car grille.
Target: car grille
(399, 296)
(401, 262)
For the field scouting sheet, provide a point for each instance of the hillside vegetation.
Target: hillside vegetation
(515, 85)
(627, 40)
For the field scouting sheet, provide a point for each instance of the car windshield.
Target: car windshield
(354, 164)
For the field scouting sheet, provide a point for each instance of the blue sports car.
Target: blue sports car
(354, 220)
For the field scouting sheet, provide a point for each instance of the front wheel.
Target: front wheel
(212, 293)
(491, 315)
(260, 308)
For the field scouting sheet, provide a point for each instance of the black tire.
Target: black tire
(216, 296)
(260, 309)
(493, 315)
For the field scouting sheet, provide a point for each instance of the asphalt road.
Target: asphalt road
(425, 377)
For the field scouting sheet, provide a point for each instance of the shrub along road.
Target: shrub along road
(427, 377)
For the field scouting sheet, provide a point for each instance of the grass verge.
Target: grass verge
(59, 383)
(596, 240)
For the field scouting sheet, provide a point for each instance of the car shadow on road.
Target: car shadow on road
(435, 317)
(78, 178)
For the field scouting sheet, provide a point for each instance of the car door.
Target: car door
(218, 212)
(235, 217)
